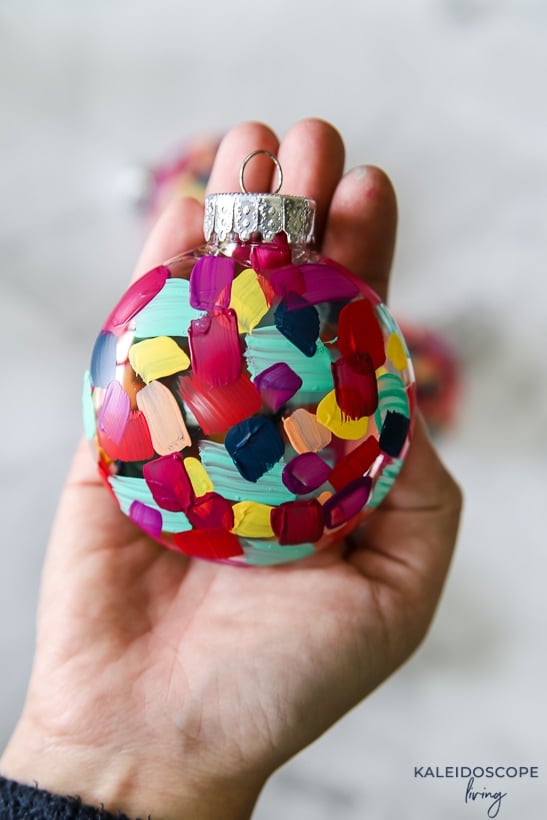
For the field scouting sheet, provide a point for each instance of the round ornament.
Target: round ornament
(250, 401)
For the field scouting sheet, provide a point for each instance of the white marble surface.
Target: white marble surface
(449, 96)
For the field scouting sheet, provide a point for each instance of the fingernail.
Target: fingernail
(360, 172)
(368, 178)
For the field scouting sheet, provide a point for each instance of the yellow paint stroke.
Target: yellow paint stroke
(396, 352)
(198, 475)
(305, 433)
(252, 520)
(158, 357)
(330, 415)
(248, 301)
(167, 428)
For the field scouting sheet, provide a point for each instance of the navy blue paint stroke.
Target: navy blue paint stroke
(394, 432)
(255, 445)
(299, 325)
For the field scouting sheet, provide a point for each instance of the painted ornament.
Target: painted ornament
(250, 402)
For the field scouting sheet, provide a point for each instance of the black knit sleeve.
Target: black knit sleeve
(19, 802)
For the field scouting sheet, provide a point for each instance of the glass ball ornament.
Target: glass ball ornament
(250, 402)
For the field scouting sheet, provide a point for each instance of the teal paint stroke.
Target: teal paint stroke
(266, 346)
(228, 482)
(128, 489)
(385, 482)
(391, 396)
(262, 552)
(87, 408)
(167, 314)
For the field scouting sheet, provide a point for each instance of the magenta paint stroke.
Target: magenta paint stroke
(135, 298)
(169, 482)
(215, 349)
(277, 384)
(211, 282)
(305, 473)
(114, 413)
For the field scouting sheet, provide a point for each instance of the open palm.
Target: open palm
(161, 680)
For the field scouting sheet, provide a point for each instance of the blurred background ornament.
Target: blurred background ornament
(438, 376)
(184, 173)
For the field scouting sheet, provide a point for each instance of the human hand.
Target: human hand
(173, 686)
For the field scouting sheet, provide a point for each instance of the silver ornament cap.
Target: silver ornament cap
(240, 215)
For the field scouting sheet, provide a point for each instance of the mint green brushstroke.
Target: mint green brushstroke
(128, 489)
(169, 313)
(391, 396)
(268, 553)
(87, 408)
(228, 482)
(385, 482)
(266, 346)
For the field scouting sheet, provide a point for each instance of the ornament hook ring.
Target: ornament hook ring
(246, 161)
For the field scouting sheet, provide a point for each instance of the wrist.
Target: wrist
(132, 781)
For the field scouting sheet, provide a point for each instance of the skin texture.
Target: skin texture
(175, 687)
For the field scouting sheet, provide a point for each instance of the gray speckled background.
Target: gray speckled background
(449, 96)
